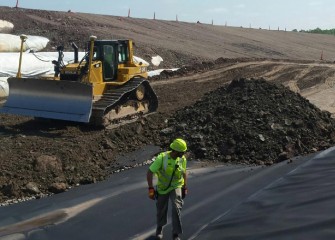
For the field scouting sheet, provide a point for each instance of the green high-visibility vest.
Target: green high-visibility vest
(164, 166)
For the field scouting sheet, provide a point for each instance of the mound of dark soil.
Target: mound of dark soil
(253, 121)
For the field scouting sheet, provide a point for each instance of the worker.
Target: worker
(170, 168)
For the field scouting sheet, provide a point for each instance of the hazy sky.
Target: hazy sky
(289, 14)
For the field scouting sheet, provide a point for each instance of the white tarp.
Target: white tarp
(5, 26)
(156, 60)
(12, 43)
(158, 71)
(33, 64)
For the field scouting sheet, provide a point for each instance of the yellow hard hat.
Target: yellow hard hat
(178, 145)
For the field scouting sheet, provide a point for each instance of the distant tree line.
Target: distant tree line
(318, 30)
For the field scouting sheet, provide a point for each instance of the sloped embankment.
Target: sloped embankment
(253, 121)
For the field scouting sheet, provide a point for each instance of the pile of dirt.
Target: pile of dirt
(253, 121)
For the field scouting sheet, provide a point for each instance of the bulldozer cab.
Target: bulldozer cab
(111, 54)
(106, 52)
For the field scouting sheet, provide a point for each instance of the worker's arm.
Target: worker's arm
(184, 190)
(185, 172)
(151, 192)
(150, 179)
(154, 167)
(185, 179)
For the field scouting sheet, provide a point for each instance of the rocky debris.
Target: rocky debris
(57, 187)
(45, 163)
(252, 121)
(32, 188)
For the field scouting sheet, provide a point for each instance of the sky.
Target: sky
(265, 14)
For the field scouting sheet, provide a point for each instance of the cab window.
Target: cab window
(123, 53)
(109, 62)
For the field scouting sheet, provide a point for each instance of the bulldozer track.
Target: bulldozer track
(113, 97)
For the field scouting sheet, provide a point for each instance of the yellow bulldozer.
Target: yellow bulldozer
(103, 88)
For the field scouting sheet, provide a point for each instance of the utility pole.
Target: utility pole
(17, 3)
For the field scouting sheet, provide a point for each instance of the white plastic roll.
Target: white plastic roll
(3, 87)
(6, 27)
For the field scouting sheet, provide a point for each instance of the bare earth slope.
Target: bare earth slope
(40, 157)
(178, 43)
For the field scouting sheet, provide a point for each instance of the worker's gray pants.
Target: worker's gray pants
(162, 209)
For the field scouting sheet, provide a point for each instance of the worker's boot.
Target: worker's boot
(159, 233)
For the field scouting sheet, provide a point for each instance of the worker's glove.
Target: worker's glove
(151, 193)
(184, 192)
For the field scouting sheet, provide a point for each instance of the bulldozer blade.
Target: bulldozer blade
(64, 100)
